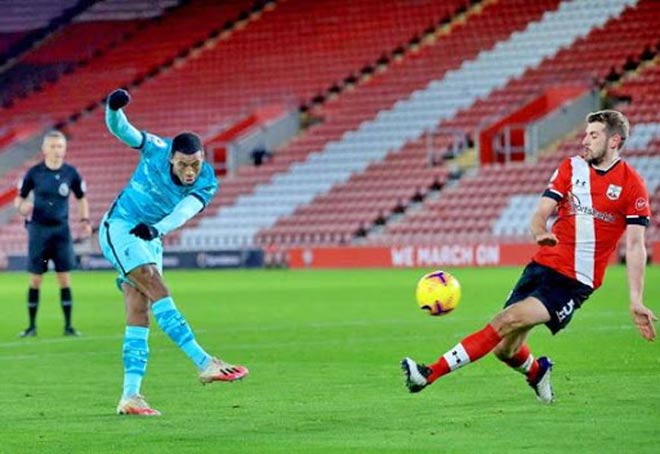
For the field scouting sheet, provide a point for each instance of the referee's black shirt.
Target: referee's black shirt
(51, 192)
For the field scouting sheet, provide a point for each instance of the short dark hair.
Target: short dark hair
(187, 143)
(615, 123)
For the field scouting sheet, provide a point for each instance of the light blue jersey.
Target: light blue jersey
(154, 196)
(153, 191)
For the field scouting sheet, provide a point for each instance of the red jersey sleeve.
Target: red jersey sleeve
(638, 209)
(560, 182)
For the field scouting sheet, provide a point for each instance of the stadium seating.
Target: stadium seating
(8, 40)
(504, 196)
(75, 90)
(412, 73)
(153, 112)
(368, 159)
(585, 63)
(405, 121)
(103, 25)
(30, 15)
(146, 50)
(643, 110)
(512, 190)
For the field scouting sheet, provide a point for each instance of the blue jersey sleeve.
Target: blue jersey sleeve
(153, 145)
(120, 127)
(183, 211)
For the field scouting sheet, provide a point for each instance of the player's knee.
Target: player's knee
(145, 276)
(508, 321)
(35, 280)
(149, 281)
(64, 279)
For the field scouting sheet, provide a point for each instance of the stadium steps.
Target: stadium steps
(145, 54)
(337, 120)
(104, 25)
(221, 94)
(73, 90)
(587, 62)
(102, 170)
(406, 121)
(67, 95)
(31, 22)
(508, 194)
(383, 89)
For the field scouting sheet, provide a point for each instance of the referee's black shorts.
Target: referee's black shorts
(49, 242)
(560, 294)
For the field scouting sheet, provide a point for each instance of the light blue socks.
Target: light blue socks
(175, 326)
(135, 354)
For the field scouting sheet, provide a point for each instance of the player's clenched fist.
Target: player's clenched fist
(118, 99)
(546, 239)
(144, 231)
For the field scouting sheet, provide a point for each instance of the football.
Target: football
(438, 293)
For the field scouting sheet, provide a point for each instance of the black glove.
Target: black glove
(118, 99)
(144, 231)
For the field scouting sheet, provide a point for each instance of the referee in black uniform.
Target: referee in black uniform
(47, 221)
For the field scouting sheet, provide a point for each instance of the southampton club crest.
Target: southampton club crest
(613, 192)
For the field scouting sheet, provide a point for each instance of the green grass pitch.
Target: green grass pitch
(323, 348)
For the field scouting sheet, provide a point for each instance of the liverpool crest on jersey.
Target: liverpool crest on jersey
(613, 192)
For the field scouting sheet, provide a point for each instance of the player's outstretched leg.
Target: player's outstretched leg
(176, 327)
(469, 350)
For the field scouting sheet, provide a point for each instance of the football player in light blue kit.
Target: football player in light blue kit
(171, 184)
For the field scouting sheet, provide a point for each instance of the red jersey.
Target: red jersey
(595, 206)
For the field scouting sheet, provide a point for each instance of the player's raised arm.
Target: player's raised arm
(117, 122)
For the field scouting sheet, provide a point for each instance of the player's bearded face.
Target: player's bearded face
(187, 166)
(595, 143)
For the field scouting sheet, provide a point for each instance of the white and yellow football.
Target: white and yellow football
(438, 293)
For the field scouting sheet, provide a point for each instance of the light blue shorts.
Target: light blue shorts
(126, 251)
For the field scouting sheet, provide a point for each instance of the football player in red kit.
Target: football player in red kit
(597, 197)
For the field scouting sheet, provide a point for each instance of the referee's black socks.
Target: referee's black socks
(33, 305)
(66, 301)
